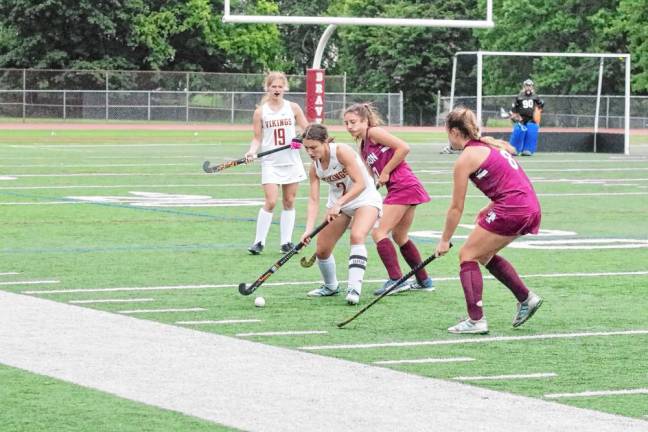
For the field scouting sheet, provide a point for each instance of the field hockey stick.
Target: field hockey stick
(308, 262)
(249, 289)
(294, 144)
(416, 268)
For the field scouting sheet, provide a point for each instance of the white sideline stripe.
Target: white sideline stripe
(43, 203)
(34, 282)
(440, 279)
(137, 311)
(598, 393)
(99, 165)
(473, 340)
(505, 377)
(132, 300)
(283, 333)
(229, 321)
(425, 360)
(108, 145)
(9, 274)
(207, 376)
(157, 186)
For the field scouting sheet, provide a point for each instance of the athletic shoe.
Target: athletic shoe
(388, 284)
(527, 153)
(256, 248)
(469, 326)
(324, 291)
(449, 150)
(286, 247)
(526, 309)
(353, 297)
(426, 285)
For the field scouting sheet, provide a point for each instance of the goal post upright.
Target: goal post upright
(602, 56)
(315, 76)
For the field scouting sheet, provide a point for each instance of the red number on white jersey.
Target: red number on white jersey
(280, 136)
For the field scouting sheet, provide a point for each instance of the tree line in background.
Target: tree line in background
(189, 35)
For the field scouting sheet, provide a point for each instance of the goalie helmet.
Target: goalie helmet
(528, 82)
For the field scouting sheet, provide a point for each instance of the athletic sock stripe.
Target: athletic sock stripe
(357, 266)
(361, 257)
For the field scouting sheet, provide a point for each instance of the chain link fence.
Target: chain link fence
(163, 96)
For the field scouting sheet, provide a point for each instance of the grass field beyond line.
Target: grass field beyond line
(135, 210)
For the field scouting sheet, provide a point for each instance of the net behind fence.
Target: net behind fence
(563, 111)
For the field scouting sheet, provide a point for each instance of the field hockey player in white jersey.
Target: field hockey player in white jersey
(274, 123)
(352, 197)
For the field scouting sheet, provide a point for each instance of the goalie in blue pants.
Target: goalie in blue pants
(525, 112)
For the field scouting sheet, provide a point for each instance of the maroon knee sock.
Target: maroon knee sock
(505, 273)
(413, 258)
(387, 253)
(473, 285)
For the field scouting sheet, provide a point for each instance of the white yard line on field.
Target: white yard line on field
(506, 377)
(597, 393)
(479, 340)
(283, 333)
(225, 380)
(227, 321)
(424, 361)
(9, 274)
(146, 311)
(306, 283)
(33, 282)
(127, 300)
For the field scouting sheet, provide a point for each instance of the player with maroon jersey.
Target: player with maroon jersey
(514, 211)
(385, 155)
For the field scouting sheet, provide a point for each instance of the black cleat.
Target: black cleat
(286, 247)
(256, 248)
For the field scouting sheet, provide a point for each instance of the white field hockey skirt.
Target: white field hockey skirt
(281, 175)
(370, 198)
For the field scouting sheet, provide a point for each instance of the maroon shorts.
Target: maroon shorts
(499, 221)
(406, 195)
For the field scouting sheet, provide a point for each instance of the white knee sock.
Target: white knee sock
(287, 225)
(357, 266)
(327, 267)
(264, 220)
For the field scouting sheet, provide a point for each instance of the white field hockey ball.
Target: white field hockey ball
(259, 302)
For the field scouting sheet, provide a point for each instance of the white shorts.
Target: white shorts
(364, 200)
(283, 174)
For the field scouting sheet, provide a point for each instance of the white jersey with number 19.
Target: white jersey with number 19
(278, 130)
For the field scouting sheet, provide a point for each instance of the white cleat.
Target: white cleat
(526, 309)
(353, 297)
(469, 326)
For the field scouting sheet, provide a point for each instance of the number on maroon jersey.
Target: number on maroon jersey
(342, 186)
(280, 136)
(509, 158)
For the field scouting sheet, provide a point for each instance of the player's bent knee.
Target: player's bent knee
(377, 235)
(400, 239)
(323, 254)
(467, 255)
(357, 238)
